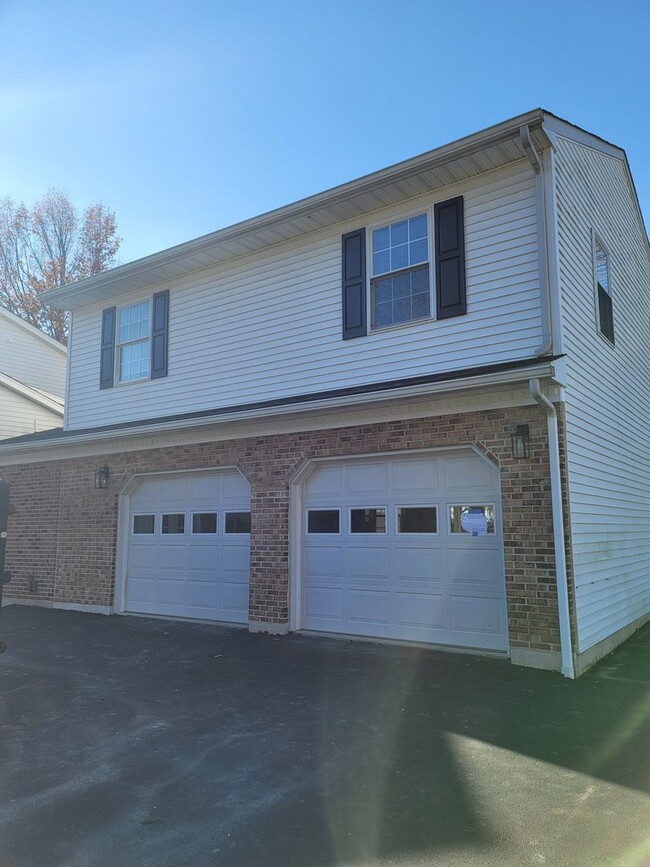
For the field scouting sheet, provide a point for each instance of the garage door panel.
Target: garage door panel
(324, 603)
(479, 567)
(171, 557)
(368, 562)
(171, 591)
(203, 575)
(323, 560)
(416, 476)
(328, 480)
(234, 596)
(369, 606)
(421, 610)
(423, 564)
(235, 559)
(475, 613)
(203, 593)
(366, 479)
(464, 473)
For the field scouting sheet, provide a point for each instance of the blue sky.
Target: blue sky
(188, 116)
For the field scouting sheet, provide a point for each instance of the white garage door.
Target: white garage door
(407, 548)
(189, 546)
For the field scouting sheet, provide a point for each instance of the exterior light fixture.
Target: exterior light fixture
(521, 441)
(101, 477)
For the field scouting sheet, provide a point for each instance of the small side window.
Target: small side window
(173, 525)
(323, 521)
(144, 525)
(238, 522)
(604, 297)
(472, 520)
(204, 522)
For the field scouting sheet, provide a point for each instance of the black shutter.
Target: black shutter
(450, 259)
(107, 358)
(159, 329)
(354, 284)
(605, 313)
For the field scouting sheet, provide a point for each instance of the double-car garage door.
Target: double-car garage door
(406, 547)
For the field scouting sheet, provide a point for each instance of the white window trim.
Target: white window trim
(417, 506)
(465, 534)
(379, 224)
(179, 512)
(204, 512)
(116, 373)
(322, 509)
(595, 237)
(135, 515)
(363, 507)
(227, 512)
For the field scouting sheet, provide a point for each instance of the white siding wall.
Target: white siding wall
(269, 325)
(18, 415)
(31, 360)
(608, 412)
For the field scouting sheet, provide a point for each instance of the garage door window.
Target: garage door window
(472, 520)
(173, 524)
(371, 520)
(144, 525)
(238, 522)
(204, 522)
(417, 519)
(323, 521)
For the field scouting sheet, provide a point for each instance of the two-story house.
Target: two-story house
(412, 408)
(32, 378)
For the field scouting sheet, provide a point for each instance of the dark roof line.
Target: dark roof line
(58, 434)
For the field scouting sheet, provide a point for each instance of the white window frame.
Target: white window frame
(227, 512)
(597, 239)
(417, 506)
(322, 509)
(365, 506)
(465, 534)
(204, 512)
(118, 345)
(135, 515)
(185, 522)
(380, 224)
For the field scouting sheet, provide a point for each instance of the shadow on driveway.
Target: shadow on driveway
(132, 741)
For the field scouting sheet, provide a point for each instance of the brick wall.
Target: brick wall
(62, 537)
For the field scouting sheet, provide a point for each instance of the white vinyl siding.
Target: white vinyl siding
(19, 415)
(607, 411)
(268, 325)
(30, 359)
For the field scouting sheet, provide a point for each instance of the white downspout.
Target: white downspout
(558, 528)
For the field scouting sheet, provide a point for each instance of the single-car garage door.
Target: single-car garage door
(189, 546)
(405, 547)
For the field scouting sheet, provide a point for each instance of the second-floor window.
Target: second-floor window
(133, 342)
(605, 312)
(400, 282)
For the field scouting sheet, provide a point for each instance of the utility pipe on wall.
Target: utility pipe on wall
(558, 528)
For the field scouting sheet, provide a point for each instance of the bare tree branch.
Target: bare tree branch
(50, 246)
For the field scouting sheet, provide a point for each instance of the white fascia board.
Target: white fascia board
(10, 317)
(150, 270)
(35, 395)
(543, 370)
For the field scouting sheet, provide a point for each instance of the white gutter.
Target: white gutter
(558, 529)
(543, 369)
(540, 200)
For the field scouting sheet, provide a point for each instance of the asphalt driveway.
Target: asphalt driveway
(130, 741)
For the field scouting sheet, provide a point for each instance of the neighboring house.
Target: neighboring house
(413, 407)
(32, 378)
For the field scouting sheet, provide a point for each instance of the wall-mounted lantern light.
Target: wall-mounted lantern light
(521, 441)
(101, 477)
